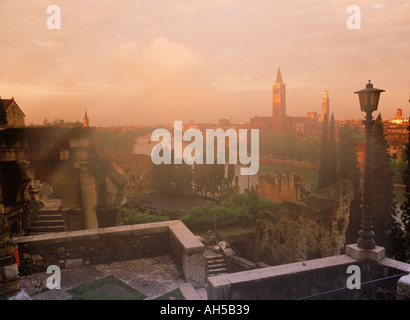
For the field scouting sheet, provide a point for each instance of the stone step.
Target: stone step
(217, 265)
(217, 271)
(50, 222)
(46, 229)
(219, 256)
(48, 216)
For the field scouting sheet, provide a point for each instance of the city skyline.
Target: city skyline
(157, 62)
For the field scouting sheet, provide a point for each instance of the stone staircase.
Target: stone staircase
(46, 221)
(216, 264)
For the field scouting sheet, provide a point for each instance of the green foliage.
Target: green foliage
(348, 169)
(134, 216)
(108, 288)
(403, 252)
(347, 160)
(172, 180)
(398, 170)
(119, 141)
(123, 141)
(323, 181)
(61, 123)
(206, 217)
(384, 207)
(241, 210)
(290, 146)
(332, 162)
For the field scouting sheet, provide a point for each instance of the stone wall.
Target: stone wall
(314, 227)
(281, 186)
(8, 266)
(310, 280)
(104, 245)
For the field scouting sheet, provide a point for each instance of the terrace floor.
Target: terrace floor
(142, 279)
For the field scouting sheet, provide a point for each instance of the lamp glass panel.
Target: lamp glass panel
(361, 99)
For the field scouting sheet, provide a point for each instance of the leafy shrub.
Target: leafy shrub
(133, 216)
(206, 217)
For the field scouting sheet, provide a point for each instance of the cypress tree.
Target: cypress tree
(324, 152)
(348, 169)
(384, 207)
(403, 238)
(405, 207)
(332, 162)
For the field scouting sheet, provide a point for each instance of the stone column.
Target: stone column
(9, 284)
(88, 198)
(87, 181)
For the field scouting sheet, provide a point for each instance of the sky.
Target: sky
(129, 62)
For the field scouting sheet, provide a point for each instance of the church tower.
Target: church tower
(86, 120)
(279, 103)
(325, 104)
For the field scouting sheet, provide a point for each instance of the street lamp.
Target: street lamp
(369, 100)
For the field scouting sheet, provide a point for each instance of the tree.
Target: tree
(231, 174)
(324, 155)
(348, 169)
(332, 162)
(3, 115)
(290, 145)
(405, 207)
(172, 180)
(384, 207)
(403, 238)
(347, 164)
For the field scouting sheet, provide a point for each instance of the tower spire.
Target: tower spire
(279, 76)
(86, 120)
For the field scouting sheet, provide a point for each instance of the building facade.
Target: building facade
(135, 167)
(280, 121)
(15, 116)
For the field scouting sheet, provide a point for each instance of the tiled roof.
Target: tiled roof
(7, 103)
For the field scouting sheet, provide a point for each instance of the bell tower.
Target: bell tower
(86, 120)
(325, 104)
(279, 103)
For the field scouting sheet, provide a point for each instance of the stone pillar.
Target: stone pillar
(88, 198)
(87, 181)
(9, 284)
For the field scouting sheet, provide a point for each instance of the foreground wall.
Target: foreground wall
(309, 279)
(104, 245)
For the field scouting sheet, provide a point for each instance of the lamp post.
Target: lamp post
(369, 100)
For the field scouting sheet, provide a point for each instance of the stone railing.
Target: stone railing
(104, 245)
(321, 279)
